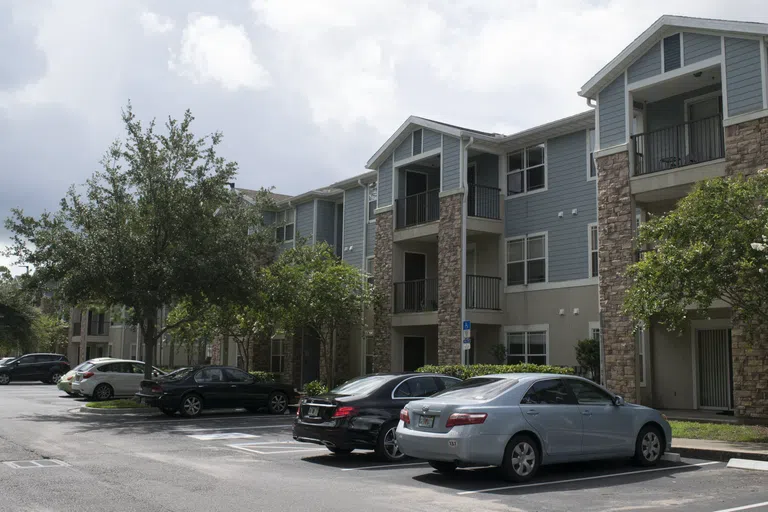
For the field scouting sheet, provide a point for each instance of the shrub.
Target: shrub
(314, 388)
(588, 356)
(476, 370)
(266, 376)
(499, 353)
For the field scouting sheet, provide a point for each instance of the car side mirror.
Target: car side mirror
(618, 401)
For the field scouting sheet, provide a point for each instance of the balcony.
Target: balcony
(417, 209)
(484, 202)
(416, 296)
(483, 292)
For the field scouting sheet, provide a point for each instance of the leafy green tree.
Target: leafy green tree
(51, 333)
(17, 316)
(588, 356)
(192, 335)
(703, 251)
(157, 224)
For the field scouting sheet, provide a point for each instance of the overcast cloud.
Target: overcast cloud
(305, 91)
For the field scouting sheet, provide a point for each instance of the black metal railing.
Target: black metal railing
(684, 144)
(484, 202)
(483, 292)
(418, 209)
(416, 296)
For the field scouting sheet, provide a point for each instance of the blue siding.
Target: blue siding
(269, 218)
(354, 217)
(385, 183)
(305, 219)
(646, 66)
(612, 106)
(431, 140)
(568, 189)
(404, 150)
(671, 111)
(450, 171)
(698, 47)
(326, 218)
(743, 78)
(671, 52)
(370, 238)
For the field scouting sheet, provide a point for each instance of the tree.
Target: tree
(195, 334)
(157, 224)
(703, 251)
(51, 332)
(320, 292)
(17, 316)
(588, 356)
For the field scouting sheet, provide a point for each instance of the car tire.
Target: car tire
(521, 459)
(55, 377)
(168, 412)
(103, 392)
(277, 403)
(191, 406)
(4, 379)
(69, 393)
(339, 451)
(649, 446)
(386, 444)
(442, 466)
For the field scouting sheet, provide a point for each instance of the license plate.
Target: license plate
(313, 411)
(426, 421)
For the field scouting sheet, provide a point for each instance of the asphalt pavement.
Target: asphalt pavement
(55, 459)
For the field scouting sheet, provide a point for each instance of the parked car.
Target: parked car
(105, 380)
(4, 360)
(65, 382)
(523, 421)
(363, 412)
(47, 368)
(190, 390)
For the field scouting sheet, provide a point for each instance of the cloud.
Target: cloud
(155, 24)
(214, 51)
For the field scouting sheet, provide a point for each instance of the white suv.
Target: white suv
(104, 380)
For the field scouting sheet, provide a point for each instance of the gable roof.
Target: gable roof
(664, 26)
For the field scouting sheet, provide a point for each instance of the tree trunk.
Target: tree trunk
(150, 342)
(172, 354)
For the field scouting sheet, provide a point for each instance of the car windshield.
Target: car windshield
(478, 388)
(361, 385)
(179, 374)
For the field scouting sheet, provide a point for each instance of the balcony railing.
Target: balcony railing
(416, 296)
(484, 202)
(418, 209)
(483, 292)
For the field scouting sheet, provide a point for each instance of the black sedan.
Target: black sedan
(363, 412)
(190, 390)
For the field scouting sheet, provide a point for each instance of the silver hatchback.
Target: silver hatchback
(522, 421)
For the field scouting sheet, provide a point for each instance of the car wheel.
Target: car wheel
(55, 377)
(70, 393)
(191, 406)
(649, 448)
(278, 403)
(168, 412)
(442, 466)
(339, 451)
(386, 447)
(4, 379)
(103, 392)
(521, 459)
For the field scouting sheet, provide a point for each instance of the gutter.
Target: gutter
(464, 199)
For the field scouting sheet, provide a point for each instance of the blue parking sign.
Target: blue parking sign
(467, 325)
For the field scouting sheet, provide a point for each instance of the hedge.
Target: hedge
(266, 376)
(475, 370)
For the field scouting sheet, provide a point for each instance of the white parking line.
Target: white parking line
(222, 435)
(385, 466)
(586, 478)
(745, 507)
(196, 420)
(274, 448)
(181, 430)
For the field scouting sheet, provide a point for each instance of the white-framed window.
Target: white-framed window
(594, 331)
(591, 163)
(418, 142)
(369, 269)
(641, 359)
(527, 170)
(527, 344)
(594, 265)
(277, 356)
(527, 259)
(284, 220)
(369, 349)
(373, 197)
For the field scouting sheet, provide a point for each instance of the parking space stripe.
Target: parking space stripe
(229, 428)
(587, 478)
(745, 507)
(385, 466)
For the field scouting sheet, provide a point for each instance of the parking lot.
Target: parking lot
(240, 461)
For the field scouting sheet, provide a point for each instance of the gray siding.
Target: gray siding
(487, 169)
(431, 140)
(671, 52)
(698, 47)
(568, 189)
(743, 78)
(370, 238)
(269, 218)
(612, 106)
(305, 219)
(646, 66)
(385, 183)
(354, 216)
(671, 111)
(451, 153)
(326, 218)
(404, 150)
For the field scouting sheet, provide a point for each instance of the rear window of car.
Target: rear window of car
(479, 388)
(361, 385)
(178, 374)
(85, 367)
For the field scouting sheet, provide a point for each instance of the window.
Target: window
(209, 375)
(418, 136)
(362, 386)
(369, 350)
(418, 387)
(527, 260)
(587, 393)
(640, 340)
(548, 392)
(277, 357)
(373, 196)
(235, 375)
(594, 331)
(526, 170)
(479, 388)
(284, 220)
(594, 269)
(96, 324)
(591, 164)
(369, 270)
(527, 347)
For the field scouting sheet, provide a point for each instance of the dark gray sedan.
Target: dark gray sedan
(522, 421)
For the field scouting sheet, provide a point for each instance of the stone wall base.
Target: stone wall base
(449, 249)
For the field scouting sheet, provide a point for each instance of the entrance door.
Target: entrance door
(705, 131)
(472, 193)
(415, 273)
(415, 198)
(414, 352)
(713, 348)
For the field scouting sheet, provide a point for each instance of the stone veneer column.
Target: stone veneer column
(449, 280)
(746, 152)
(614, 215)
(382, 302)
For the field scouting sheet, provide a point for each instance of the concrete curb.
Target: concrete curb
(719, 455)
(119, 412)
(753, 465)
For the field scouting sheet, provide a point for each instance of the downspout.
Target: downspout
(590, 103)
(362, 274)
(464, 199)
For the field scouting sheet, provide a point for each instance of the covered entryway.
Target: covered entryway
(414, 352)
(714, 379)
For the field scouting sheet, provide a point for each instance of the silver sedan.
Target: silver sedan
(520, 421)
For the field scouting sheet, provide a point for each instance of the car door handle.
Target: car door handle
(532, 413)
(233, 386)
(586, 413)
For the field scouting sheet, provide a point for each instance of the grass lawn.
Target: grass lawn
(719, 431)
(116, 404)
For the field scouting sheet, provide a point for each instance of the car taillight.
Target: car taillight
(70, 377)
(87, 374)
(156, 389)
(344, 412)
(405, 417)
(457, 419)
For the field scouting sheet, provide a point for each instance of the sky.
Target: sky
(304, 91)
